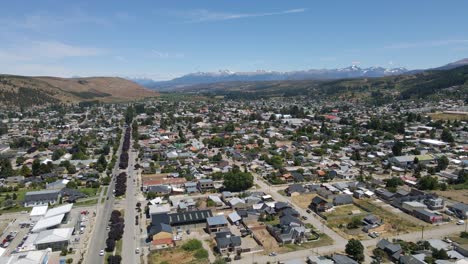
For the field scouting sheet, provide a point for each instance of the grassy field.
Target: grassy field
(344, 211)
(399, 224)
(303, 200)
(445, 116)
(456, 195)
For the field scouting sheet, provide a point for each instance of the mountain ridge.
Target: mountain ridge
(26, 91)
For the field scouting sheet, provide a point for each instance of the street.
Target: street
(99, 235)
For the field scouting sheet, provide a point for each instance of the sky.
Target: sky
(166, 39)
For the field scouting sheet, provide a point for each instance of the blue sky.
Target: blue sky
(165, 39)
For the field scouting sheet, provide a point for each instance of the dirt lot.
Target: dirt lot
(175, 255)
(456, 195)
(303, 200)
(269, 242)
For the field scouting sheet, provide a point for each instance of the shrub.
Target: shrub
(201, 253)
(192, 245)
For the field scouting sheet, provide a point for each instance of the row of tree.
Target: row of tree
(115, 233)
(121, 184)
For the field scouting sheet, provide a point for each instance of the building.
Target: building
(161, 236)
(343, 259)
(38, 212)
(319, 204)
(47, 223)
(216, 223)
(37, 198)
(412, 206)
(342, 199)
(227, 242)
(205, 185)
(427, 216)
(434, 203)
(181, 218)
(460, 210)
(56, 239)
(28, 257)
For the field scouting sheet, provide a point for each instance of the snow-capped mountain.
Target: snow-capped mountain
(352, 71)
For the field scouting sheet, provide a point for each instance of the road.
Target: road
(131, 235)
(99, 235)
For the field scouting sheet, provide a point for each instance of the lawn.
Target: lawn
(87, 202)
(323, 241)
(89, 191)
(118, 247)
(344, 211)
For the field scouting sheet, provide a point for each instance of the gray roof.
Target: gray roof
(342, 259)
(227, 239)
(47, 195)
(217, 220)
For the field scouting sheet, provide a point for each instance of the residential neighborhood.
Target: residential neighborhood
(269, 181)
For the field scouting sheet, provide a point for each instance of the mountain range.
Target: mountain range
(262, 75)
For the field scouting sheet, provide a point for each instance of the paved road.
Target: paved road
(131, 234)
(99, 235)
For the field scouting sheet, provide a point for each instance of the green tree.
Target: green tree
(428, 183)
(442, 163)
(446, 136)
(397, 148)
(355, 249)
(236, 181)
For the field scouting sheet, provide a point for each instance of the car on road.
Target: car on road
(460, 222)
(374, 234)
(137, 251)
(304, 217)
(272, 254)
(101, 252)
(308, 211)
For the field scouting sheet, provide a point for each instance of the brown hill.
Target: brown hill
(28, 91)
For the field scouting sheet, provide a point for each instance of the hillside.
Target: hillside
(25, 91)
(453, 82)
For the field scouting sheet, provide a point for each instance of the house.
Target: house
(286, 234)
(160, 190)
(371, 220)
(459, 209)
(427, 216)
(434, 203)
(393, 250)
(237, 203)
(319, 260)
(216, 223)
(411, 206)
(342, 199)
(343, 259)
(319, 204)
(205, 185)
(160, 235)
(37, 198)
(295, 189)
(227, 242)
(234, 218)
(55, 239)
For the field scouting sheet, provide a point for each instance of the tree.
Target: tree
(442, 163)
(58, 153)
(6, 170)
(25, 171)
(446, 136)
(355, 249)
(354, 223)
(236, 181)
(3, 129)
(397, 148)
(110, 244)
(192, 245)
(428, 183)
(36, 167)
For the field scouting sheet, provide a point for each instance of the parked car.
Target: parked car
(448, 240)
(308, 211)
(272, 254)
(101, 252)
(460, 222)
(137, 251)
(304, 217)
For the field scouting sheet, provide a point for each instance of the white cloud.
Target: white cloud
(204, 15)
(431, 43)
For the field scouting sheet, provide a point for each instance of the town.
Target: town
(211, 180)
